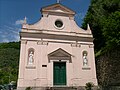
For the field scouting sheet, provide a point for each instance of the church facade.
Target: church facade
(55, 51)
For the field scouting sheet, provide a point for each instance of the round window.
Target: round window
(58, 23)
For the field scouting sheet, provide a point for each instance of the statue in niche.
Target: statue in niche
(85, 61)
(30, 59)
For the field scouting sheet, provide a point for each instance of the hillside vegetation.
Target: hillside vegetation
(9, 58)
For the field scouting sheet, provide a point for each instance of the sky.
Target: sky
(12, 13)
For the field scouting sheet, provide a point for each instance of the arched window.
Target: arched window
(30, 56)
(85, 58)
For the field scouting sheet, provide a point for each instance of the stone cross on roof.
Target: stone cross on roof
(58, 1)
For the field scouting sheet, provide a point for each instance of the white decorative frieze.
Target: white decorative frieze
(75, 45)
(42, 42)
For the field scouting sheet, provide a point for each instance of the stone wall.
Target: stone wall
(108, 68)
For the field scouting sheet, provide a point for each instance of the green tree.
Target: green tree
(104, 19)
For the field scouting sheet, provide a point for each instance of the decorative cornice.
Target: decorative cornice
(72, 43)
(56, 36)
(51, 8)
(50, 30)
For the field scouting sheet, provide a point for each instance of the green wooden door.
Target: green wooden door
(59, 73)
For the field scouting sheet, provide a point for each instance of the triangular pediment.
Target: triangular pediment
(58, 8)
(59, 54)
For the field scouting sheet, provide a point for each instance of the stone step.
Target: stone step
(63, 88)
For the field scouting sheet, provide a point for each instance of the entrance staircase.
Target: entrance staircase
(62, 88)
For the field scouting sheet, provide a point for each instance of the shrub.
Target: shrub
(89, 86)
(28, 88)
